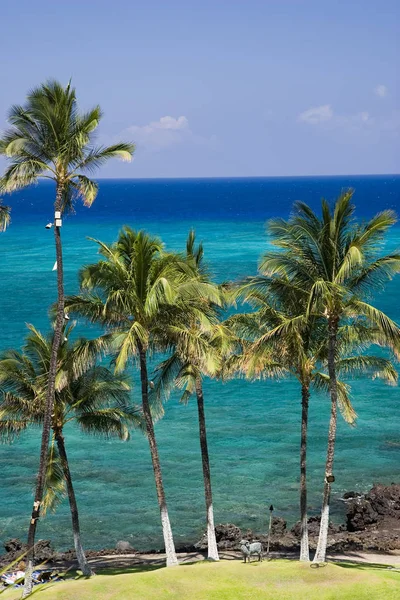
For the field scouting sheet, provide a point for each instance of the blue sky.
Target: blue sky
(220, 88)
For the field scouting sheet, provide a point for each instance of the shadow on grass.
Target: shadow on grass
(42, 588)
(348, 564)
(127, 570)
(200, 562)
(206, 561)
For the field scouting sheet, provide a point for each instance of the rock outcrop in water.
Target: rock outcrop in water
(15, 549)
(123, 546)
(227, 537)
(379, 506)
(313, 527)
(278, 526)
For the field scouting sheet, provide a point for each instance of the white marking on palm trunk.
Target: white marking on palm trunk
(172, 560)
(211, 540)
(28, 583)
(304, 549)
(320, 554)
(80, 556)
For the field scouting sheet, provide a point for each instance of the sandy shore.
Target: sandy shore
(126, 561)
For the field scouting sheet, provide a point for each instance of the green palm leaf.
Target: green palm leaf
(55, 490)
(321, 383)
(50, 138)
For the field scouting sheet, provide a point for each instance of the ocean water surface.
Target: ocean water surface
(253, 428)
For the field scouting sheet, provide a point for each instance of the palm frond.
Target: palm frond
(55, 486)
(10, 429)
(387, 327)
(50, 138)
(321, 382)
(86, 188)
(376, 273)
(107, 422)
(376, 367)
(97, 157)
(127, 342)
(21, 174)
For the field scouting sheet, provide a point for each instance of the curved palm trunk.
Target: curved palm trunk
(80, 554)
(211, 540)
(320, 554)
(305, 397)
(166, 526)
(41, 476)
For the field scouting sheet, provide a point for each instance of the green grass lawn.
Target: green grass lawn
(231, 580)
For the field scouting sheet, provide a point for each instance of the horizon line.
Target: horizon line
(250, 176)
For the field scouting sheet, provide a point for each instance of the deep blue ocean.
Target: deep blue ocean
(253, 428)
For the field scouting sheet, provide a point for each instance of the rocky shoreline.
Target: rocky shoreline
(372, 525)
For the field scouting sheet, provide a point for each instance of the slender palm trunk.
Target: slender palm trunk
(320, 554)
(80, 554)
(4, 217)
(305, 397)
(166, 526)
(41, 476)
(211, 540)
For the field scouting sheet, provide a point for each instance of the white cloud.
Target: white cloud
(318, 114)
(325, 117)
(170, 123)
(359, 126)
(167, 131)
(356, 120)
(381, 90)
(160, 134)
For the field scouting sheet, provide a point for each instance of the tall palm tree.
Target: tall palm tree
(138, 291)
(199, 348)
(88, 394)
(339, 262)
(49, 138)
(4, 216)
(282, 339)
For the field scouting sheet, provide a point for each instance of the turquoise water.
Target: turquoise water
(253, 428)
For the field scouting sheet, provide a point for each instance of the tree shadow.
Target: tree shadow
(124, 570)
(361, 566)
(205, 561)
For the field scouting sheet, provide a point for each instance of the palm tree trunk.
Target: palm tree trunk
(305, 397)
(320, 554)
(4, 217)
(41, 476)
(80, 554)
(166, 526)
(211, 540)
